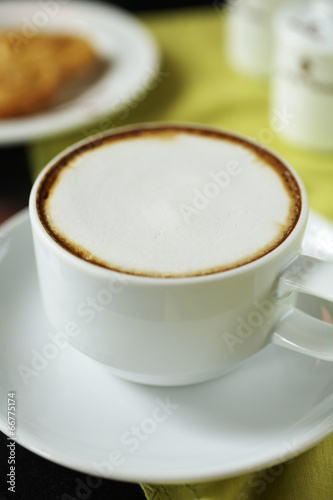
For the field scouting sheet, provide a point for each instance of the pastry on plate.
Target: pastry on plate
(34, 70)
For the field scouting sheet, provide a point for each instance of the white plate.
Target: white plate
(74, 412)
(118, 36)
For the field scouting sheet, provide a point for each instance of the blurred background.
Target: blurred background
(196, 83)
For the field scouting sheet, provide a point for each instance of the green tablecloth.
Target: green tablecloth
(196, 85)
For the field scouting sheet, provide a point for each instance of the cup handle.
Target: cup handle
(296, 330)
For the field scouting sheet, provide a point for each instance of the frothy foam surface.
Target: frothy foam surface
(169, 203)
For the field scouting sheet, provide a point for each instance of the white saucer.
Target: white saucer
(117, 35)
(75, 413)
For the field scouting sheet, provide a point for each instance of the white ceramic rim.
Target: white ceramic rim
(98, 271)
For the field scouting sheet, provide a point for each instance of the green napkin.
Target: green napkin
(307, 477)
(196, 85)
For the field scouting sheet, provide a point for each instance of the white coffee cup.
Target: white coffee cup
(179, 330)
(249, 35)
(302, 76)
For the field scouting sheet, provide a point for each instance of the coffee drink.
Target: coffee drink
(169, 201)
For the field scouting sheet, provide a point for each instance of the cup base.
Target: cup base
(171, 380)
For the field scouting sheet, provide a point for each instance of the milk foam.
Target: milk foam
(174, 204)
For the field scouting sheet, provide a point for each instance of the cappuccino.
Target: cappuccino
(169, 201)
